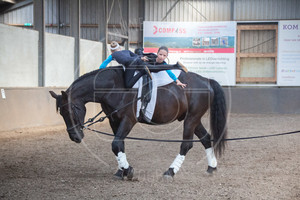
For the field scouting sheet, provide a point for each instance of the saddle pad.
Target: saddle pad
(158, 79)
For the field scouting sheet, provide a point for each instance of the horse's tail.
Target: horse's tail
(218, 117)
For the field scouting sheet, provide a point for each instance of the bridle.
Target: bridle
(73, 110)
(73, 106)
(91, 121)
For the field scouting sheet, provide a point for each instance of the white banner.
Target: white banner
(206, 48)
(288, 68)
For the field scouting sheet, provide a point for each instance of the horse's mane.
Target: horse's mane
(118, 69)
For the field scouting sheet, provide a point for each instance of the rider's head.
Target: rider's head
(114, 46)
(162, 54)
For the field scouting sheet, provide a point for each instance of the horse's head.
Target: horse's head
(72, 113)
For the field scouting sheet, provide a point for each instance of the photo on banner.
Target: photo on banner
(206, 48)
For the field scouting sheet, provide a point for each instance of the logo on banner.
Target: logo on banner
(168, 30)
(290, 27)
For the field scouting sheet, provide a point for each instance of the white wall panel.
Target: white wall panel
(90, 55)
(59, 60)
(18, 57)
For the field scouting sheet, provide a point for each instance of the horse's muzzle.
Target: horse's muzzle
(75, 139)
(75, 133)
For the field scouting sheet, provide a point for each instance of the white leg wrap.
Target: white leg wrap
(177, 163)
(211, 158)
(122, 161)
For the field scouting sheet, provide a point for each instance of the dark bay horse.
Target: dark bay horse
(106, 86)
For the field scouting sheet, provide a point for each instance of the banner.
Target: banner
(206, 48)
(288, 68)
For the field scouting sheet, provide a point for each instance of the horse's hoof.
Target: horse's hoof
(119, 175)
(169, 174)
(210, 169)
(167, 178)
(129, 172)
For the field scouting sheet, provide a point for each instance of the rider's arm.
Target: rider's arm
(178, 82)
(172, 75)
(106, 62)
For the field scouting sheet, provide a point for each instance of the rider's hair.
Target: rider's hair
(114, 46)
(163, 48)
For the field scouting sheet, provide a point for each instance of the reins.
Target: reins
(101, 119)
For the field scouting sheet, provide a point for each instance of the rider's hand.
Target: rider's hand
(144, 58)
(178, 82)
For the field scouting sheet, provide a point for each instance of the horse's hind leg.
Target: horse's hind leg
(188, 133)
(205, 139)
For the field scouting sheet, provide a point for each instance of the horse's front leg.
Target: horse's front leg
(118, 147)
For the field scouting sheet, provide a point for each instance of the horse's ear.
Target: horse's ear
(53, 94)
(64, 94)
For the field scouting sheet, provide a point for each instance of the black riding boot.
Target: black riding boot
(145, 98)
(158, 68)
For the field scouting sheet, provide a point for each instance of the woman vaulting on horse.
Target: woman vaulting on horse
(133, 62)
(159, 59)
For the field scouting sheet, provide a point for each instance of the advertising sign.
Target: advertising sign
(206, 48)
(288, 68)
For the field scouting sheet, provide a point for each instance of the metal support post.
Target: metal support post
(102, 25)
(39, 25)
(75, 32)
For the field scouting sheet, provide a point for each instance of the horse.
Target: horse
(106, 86)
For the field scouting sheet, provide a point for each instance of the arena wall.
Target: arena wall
(34, 107)
(18, 57)
(263, 100)
(22, 103)
(90, 55)
(59, 60)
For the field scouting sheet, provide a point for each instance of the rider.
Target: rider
(133, 62)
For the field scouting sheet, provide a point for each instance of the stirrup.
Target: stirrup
(148, 72)
(182, 67)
